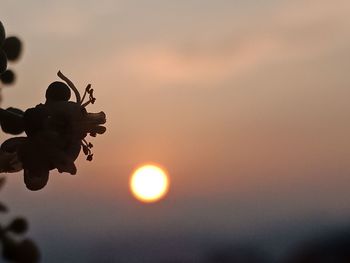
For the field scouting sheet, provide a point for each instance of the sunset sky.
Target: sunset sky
(245, 103)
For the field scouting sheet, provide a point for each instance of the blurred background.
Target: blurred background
(245, 103)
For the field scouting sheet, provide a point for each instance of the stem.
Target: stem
(71, 85)
(86, 91)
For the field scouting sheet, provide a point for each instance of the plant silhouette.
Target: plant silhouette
(15, 247)
(55, 130)
(55, 134)
(10, 51)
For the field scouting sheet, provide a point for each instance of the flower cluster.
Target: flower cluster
(15, 248)
(56, 132)
(10, 51)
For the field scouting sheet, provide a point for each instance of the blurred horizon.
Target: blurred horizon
(245, 103)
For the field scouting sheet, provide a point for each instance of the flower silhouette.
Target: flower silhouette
(10, 51)
(56, 132)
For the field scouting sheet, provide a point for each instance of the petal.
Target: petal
(12, 145)
(32, 157)
(12, 121)
(65, 166)
(36, 180)
(34, 120)
(96, 118)
(98, 130)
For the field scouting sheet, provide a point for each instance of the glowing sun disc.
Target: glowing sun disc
(149, 183)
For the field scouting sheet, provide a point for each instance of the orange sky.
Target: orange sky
(246, 104)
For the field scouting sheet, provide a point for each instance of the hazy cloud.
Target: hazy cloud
(293, 31)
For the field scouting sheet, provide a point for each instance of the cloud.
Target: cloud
(293, 31)
(167, 65)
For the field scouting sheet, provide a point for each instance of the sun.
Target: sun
(149, 183)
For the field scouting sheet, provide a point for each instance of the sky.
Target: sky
(244, 102)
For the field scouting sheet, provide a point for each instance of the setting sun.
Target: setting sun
(149, 183)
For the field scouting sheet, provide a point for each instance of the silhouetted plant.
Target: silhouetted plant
(10, 51)
(56, 130)
(15, 247)
(55, 133)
